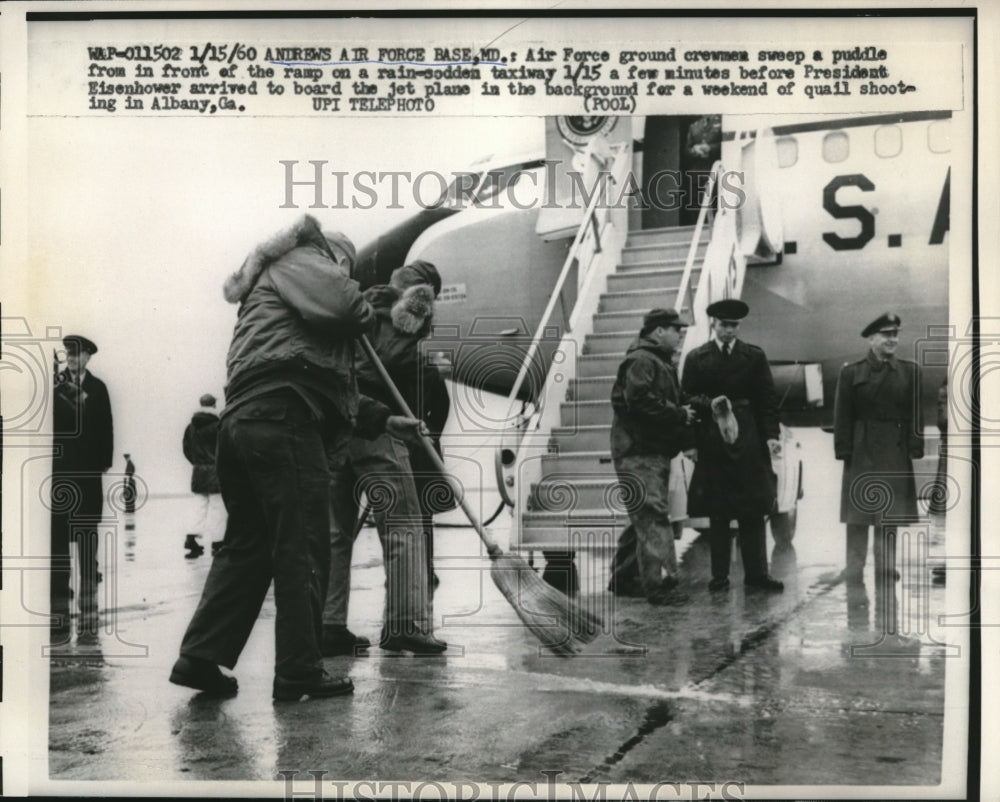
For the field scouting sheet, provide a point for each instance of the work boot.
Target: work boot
(561, 572)
(764, 582)
(202, 675)
(409, 639)
(718, 583)
(315, 687)
(339, 640)
(667, 593)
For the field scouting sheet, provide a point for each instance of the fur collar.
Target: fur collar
(304, 231)
(414, 309)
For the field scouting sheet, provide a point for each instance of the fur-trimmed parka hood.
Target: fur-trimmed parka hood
(410, 311)
(305, 231)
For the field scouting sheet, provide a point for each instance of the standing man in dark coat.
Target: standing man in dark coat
(877, 434)
(200, 439)
(650, 428)
(732, 475)
(291, 397)
(84, 444)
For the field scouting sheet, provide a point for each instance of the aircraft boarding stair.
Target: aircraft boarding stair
(577, 482)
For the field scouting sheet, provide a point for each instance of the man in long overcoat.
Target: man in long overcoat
(877, 434)
(84, 444)
(732, 476)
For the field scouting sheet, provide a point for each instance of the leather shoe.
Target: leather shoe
(765, 582)
(718, 583)
(339, 640)
(416, 642)
(202, 675)
(318, 686)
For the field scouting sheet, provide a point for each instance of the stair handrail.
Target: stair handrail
(684, 288)
(591, 226)
(589, 219)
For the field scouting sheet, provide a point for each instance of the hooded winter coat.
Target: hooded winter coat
(648, 418)
(200, 439)
(402, 320)
(299, 314)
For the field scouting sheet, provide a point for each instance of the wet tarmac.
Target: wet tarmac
(824, 684)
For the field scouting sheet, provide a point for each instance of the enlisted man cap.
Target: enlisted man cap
(885, 322)
(74, 343)
(341, 243)
(663, 317)
(207, 400)
(728, 309)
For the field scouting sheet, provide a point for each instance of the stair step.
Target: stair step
(637, 300)
(585, 529)
(585, 413)
(595, 389)
(573, 439)
(656, 252)
(580, 463)
(658, 264)
(592, 366)
(663, 236)
(568, 494)
(614, 342)
(655, 279)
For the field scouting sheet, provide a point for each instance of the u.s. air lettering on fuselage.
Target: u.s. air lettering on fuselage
(866, 217)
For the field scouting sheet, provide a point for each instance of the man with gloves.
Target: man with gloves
(395, 479)
(290, 398)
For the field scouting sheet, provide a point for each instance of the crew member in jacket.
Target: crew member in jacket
(649, 428)
(877, 434)
(290, 398)
(200, 439)
(392, 476)
(84, 445)
(733, 479)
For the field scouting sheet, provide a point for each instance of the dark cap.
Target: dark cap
(663, 317)
(418, 272)
(885, 322)
(207, 400)
(728, 309)
(74, 343)
(341, 243)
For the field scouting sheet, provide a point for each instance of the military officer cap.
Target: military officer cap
(728, 309)
(74, 343)
(663, 317)
(887, 322)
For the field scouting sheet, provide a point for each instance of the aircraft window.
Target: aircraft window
(788, 150)
(836, 146)
(939, 136)
(888, 141)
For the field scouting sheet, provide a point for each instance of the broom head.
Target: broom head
(562, 625)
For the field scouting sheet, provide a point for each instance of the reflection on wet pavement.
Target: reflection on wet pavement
(812, 686)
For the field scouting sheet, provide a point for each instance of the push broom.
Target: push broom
(561, 624)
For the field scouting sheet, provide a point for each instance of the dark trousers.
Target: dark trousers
(753, 546)
(275, 485)
(77, 504)
(883, 551)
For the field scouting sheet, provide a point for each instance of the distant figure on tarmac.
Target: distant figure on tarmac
(649, 428)
(939, 497)
(84, 446)
(736, 437)
(877, 434)
(392, 475)
(129, 483)
(291, 398)
(200, 438)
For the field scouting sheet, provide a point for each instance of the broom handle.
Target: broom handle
(404, 408)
